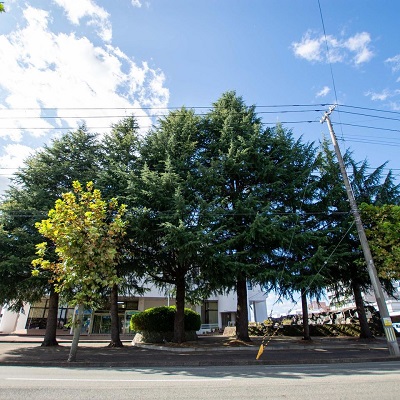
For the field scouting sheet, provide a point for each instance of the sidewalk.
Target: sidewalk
(208, 350)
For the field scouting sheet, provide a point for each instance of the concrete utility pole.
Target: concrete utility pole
(380, 299)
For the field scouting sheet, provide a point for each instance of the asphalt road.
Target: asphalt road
(378, 380)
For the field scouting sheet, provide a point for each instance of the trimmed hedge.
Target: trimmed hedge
(161, 319)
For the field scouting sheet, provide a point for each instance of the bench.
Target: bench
(207, 328)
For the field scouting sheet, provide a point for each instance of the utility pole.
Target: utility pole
(380, 299)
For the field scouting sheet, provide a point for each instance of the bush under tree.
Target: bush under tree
(157, 324)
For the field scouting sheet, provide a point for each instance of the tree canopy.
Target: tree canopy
(213, 202)
(85, 231)
(383, 233)
(167, 231)
(32, 193)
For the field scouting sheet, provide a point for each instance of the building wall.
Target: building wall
(12, 322)
(223, 310)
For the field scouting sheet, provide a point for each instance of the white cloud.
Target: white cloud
(13, 157)
(323, 92)
(308, 48)
(97, 16)
(358, 44)
(395, 106)
(382, 96)
(136, 3)
(378, 96)
(395, 62)
(354, 48)
(41, 69)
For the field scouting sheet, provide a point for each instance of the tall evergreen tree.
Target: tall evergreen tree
(119, 167)
(300, 257)
(250, 175)
(346, 270)
(35, 187)
(166, 227)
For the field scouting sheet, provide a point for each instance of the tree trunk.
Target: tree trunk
(242, 316)
(365, 331)
(179, 322)
(50, 336)
(304, 307)
(78, 322)
(115, 337)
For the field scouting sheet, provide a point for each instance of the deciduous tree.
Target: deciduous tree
(85, 231)
(383, 233)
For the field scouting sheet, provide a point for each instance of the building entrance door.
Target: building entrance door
(228, 319)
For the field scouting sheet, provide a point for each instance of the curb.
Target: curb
(160, 364)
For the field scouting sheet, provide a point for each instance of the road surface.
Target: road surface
(378, 380)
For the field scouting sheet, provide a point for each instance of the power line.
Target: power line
(137, 116)
(106, 108)
(370, 109)
(151, 108)
(327, 50)
(371, 115)
(370, 127)
(108, 127)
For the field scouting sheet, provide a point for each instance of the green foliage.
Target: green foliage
(16, 281)
(350, 330)
(169, 238)
(85, 231)
(383, 233)
(192, 320)
(2, 7)
(254, 179)
(161, 319)
(34, 189)
(346, 264)
(50, 172)
(214, 200)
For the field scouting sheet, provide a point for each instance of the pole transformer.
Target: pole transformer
(392, 343)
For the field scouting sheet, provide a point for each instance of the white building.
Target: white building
(393, 303)
(218, 311)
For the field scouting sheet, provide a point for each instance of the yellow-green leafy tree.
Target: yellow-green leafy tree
(383, 233)
(85, 231)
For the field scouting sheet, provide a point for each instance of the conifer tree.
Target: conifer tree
(346, 270)
(251, 174)
(165, 226)
(119, 167)
(34, 189)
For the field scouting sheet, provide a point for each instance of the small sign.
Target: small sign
(387, 321)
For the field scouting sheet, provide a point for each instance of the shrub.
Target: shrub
(161, 319)
(315, 330)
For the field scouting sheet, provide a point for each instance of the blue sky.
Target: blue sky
(56, 55)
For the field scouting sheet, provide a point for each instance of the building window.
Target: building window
(37, 317)
(209, 312)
